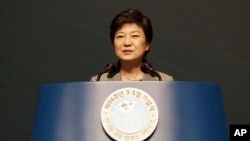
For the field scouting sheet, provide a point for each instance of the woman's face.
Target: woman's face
(130, 43)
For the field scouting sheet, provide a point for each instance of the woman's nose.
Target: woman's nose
(127, 42)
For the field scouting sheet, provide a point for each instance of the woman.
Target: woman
(131, 35)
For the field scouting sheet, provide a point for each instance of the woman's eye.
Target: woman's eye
(135, 36)
(119, 36)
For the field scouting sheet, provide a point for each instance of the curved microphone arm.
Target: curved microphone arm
(147, 68)
(108, 68)
(112, 69)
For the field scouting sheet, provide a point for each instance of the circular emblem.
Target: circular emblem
(129, 114)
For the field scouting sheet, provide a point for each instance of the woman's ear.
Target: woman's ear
(147, 47)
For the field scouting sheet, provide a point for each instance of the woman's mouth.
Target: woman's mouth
(127, 51)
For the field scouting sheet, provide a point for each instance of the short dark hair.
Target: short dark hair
(132, 16)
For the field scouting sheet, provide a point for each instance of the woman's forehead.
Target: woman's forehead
(131, 27)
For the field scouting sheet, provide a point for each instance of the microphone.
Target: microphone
(108, 68)
(148, 68)
(112, 69)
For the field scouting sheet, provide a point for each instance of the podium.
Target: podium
(187, 111)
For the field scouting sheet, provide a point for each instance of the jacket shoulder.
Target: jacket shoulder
(166, 77)
(104, 77)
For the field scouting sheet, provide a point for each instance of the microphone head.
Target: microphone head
(109, 67)
(146, 67)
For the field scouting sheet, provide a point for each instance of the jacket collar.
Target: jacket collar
(146, 77)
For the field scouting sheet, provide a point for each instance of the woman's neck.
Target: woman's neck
(131, 71)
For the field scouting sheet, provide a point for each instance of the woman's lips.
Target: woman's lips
(127, 51)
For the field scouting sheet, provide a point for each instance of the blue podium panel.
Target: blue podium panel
(188, 111)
